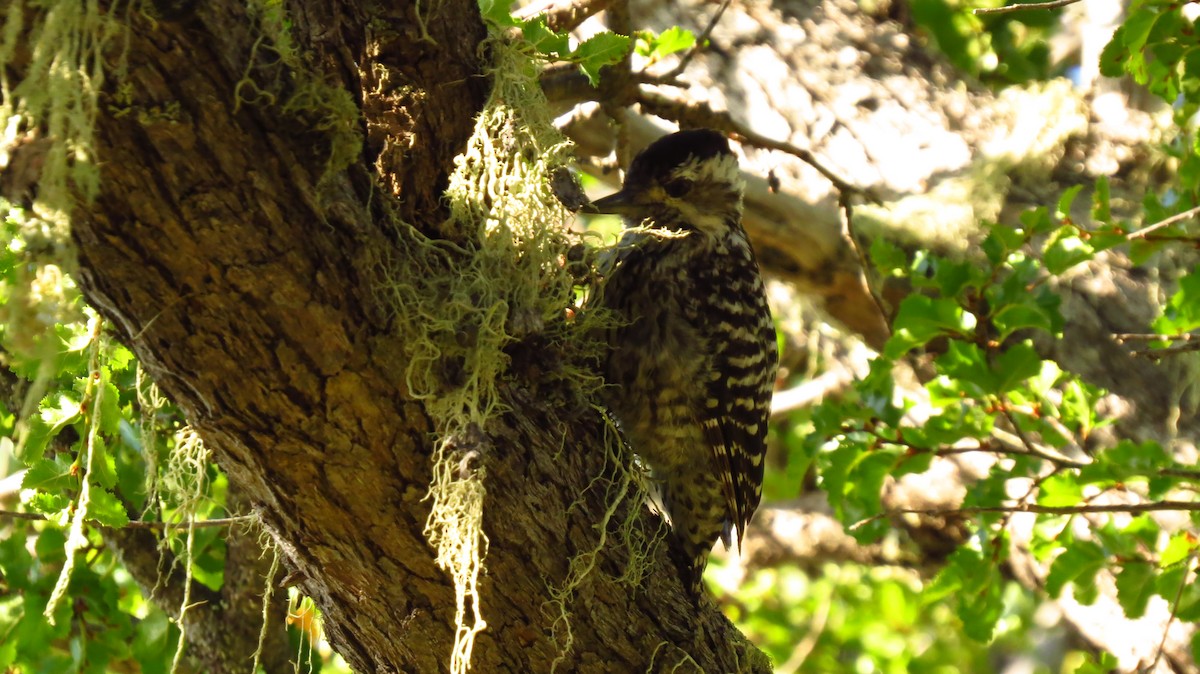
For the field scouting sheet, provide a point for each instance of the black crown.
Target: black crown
(668, 152)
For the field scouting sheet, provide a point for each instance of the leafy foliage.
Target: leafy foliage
(1002, 50)
(602, 49)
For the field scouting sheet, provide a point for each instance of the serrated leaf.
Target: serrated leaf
(110, 410)
(920, 319)
(52, 505)
(976, 587)
(52, 475)
(497, 12)
(1015, 365)
(1135, 586)
(546, 41)
(58, 410)
(1024, 316)
(952, 277)
(104, 466)
(1036, 221)
(602, 49)
(981, 610)
(1077, 564)
(966, 363)
(1127, 460)
(105, 509)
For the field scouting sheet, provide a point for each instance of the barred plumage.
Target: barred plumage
(692, 360)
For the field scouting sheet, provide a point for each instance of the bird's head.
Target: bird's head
(687, 181)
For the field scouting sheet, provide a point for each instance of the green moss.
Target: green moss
(462, 306)
(299, 90)
(66, 41)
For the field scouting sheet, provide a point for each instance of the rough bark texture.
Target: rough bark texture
(244, 278)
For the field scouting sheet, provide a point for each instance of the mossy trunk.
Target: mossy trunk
(236, 246)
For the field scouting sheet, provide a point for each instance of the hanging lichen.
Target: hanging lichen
(58, 97)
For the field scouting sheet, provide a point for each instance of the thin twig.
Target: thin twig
(1123, 337)
(1033, 450)
(1166, 222)
(561, 16)
(1024, 6)
(1130, 508)
(1162, 645)
(1172, 350)
(863, 263)
(698, 115)
(672, 76)
(142, 524)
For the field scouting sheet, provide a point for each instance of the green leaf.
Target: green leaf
(952, 277)
(889, 259)
(106, 509)
(1179, 548)
(668, 42)
(967, 364)
(497, 12)
(104, 466)
(602, 49)
(53, 506)
(1027, 315)
(1063, 211)
(110, 410)
(57, 410)
(1126, 460)
(1182, 313)
(921, 319)
(50, 475)
(1018, 363)
(1065, 250)
(1135, 586)
(1060, 490)
(546, 41)
(1002, 239)
(1101, 663)
(1037, 221)
(974, 583)
(1077, 564)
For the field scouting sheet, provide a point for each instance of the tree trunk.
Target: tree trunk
(236, 247)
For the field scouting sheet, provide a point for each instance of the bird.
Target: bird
(690, 357)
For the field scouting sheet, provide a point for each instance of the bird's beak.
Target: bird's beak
(623, 202)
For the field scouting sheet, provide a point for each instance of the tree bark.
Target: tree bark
(243, 273)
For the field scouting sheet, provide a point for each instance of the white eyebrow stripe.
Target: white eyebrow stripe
(723, 169)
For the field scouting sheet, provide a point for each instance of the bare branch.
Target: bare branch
(701, 115)
(1130, 508)
(137, 524)
(1024, 6)
(863, 263)
(672, 76)
(561, 15)
(1165, 222)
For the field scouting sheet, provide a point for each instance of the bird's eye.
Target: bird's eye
(678, 187)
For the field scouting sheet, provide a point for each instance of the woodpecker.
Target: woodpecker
(691, 357)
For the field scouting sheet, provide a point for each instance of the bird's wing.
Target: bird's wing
(737, 395)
